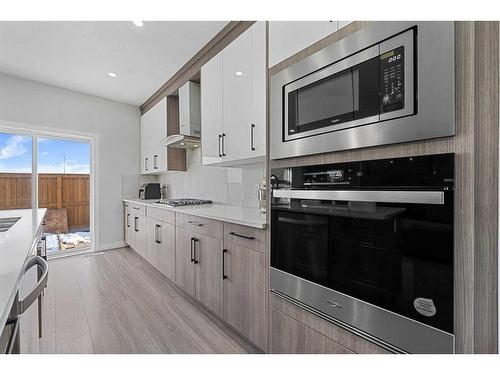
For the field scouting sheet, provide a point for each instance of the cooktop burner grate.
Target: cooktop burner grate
(184, 202)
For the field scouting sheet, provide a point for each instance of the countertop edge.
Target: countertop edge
(205, 215)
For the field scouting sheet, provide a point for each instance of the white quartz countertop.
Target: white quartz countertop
(251, 217)
(15, 247)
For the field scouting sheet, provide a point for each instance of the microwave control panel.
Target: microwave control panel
(392, 80)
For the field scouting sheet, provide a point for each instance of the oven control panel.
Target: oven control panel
(392, 80)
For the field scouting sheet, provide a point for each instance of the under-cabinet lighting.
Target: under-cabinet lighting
(238, 73)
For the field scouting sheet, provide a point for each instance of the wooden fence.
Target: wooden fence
(69, 191)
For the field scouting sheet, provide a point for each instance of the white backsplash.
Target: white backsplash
(234, 186)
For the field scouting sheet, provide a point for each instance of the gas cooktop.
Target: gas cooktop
(184, 202)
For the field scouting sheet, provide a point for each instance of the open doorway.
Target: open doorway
(64, 167)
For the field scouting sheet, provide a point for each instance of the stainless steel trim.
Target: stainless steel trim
(323, 73)
(405, 334)
(435, 92)
(419, 197)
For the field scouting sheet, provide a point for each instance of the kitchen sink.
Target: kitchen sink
(7, 222)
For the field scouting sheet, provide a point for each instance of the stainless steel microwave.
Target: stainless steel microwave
(389, 82)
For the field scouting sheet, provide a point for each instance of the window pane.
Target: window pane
(15, 171)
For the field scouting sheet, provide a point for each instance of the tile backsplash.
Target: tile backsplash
(234, 186)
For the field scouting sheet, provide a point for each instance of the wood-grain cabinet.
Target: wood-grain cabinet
(156, 124)
(233, 101)
(222, 265)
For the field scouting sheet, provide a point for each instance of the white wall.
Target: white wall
(115, 125)
(234, 186)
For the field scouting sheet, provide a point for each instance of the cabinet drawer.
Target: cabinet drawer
(136, 209)
(289, 336)
(210, 227)
(244, 236)
(161, 214)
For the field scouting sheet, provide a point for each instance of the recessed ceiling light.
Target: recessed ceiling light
(112, 74)
(238, 73)
(138, 23)
(182, 143)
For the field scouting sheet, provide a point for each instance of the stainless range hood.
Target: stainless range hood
(189, 118)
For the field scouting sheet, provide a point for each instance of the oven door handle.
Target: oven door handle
(385, 196)
(300, 222)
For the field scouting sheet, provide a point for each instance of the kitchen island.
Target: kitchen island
(16, 245)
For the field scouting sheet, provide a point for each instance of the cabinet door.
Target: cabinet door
(153, 131)
(245, 293)
(160, 249)
(257, 126)
(286, 38)
(211, 110)
(237, 76)
(127, 224)
(208, 256)
(185, 270)
(139, 234)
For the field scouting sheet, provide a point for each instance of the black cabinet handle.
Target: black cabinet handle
(223, 144)
(192, 247)
(155, 162)
(196, 261)
(128, 220)
(242, 236)
(220, 137)
(157, 233)
(224, 276)
(252, 128)
(146, 163)
(136, 221)
(195, 223)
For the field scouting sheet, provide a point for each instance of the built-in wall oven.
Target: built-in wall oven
(389, 82)
(369, 246)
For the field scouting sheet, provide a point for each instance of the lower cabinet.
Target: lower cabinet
(160, 246)
(199, 267)
(137, 234)
(289, 336)
(245, 292)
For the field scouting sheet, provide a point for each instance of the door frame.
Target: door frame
(36, 131)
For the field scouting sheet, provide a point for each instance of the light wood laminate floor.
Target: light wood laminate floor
(118, 303)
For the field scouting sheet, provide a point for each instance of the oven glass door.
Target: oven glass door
(398, 256)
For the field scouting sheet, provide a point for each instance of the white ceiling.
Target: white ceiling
(78, 55)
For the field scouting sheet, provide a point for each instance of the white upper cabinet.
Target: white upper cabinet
(154, 154)
(211, 110)
(233, 101)
(153, 130)
(286, 38)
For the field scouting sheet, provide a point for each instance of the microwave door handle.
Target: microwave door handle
(383, 196)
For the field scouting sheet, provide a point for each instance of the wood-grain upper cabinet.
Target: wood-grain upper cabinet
(245, 292)
(286, 38)
(160, 249)
(199, 267)
(158, 122)
(233, 129)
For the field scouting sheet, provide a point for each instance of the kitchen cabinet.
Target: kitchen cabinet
(156, 124)
(127, 227)
(160, 247)
(233, 101)
(289, 336)
(199, 267)
(245, 296)
(137, 238)
(286, 38)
